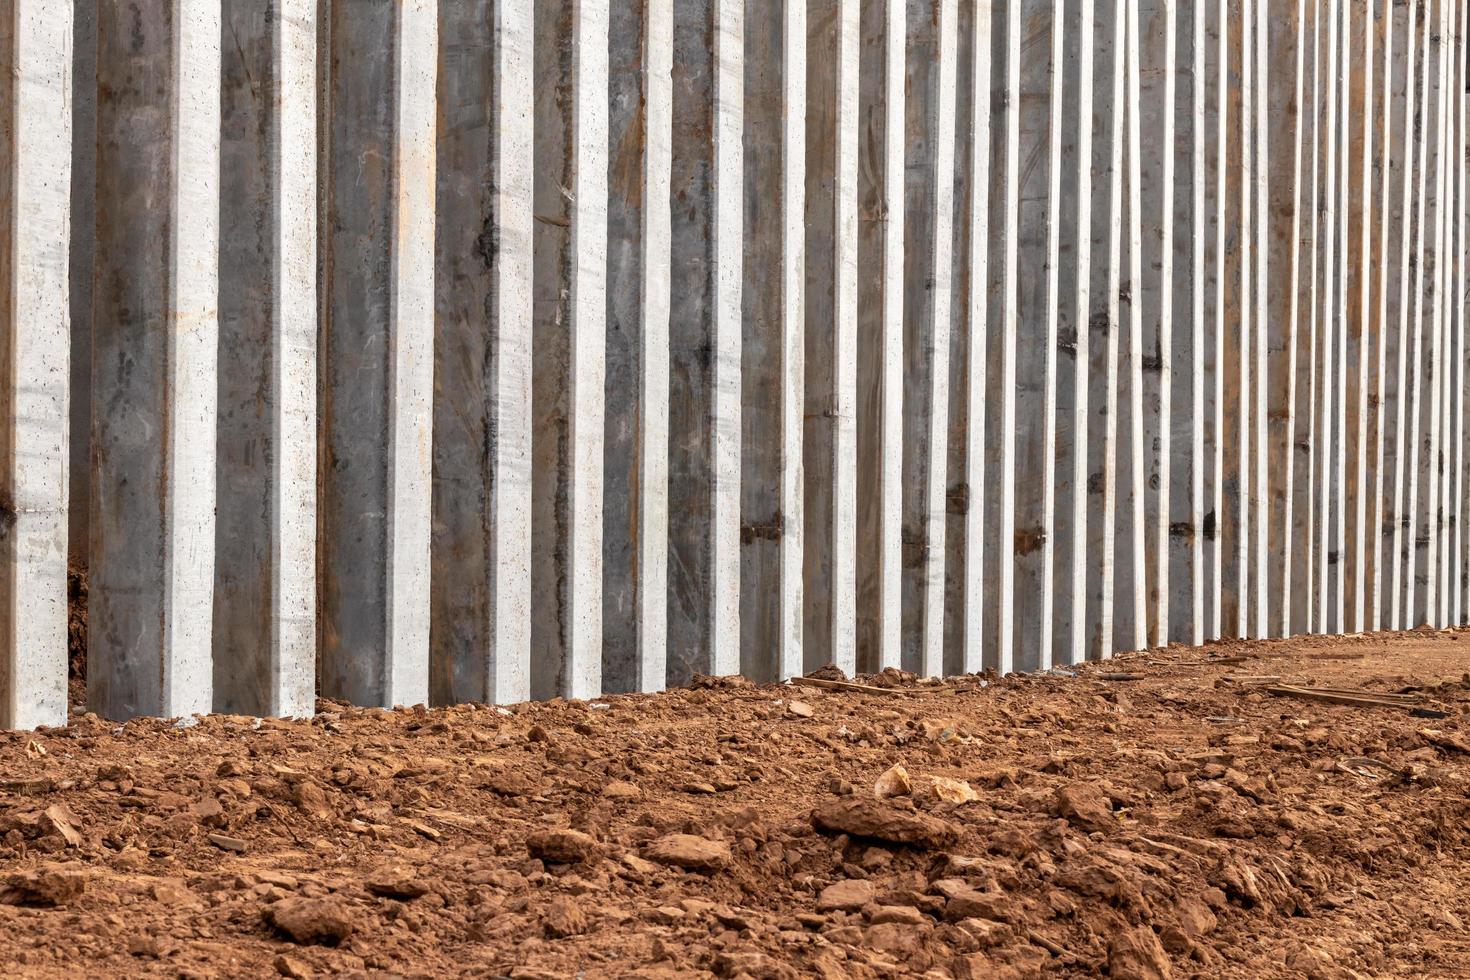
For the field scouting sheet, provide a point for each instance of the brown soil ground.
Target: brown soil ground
(1182, 822)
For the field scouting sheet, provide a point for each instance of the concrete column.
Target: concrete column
(377, 351)
(1341, 129)
(1157, 88)
(1421, 367)
(1411, 141)
(880, 333)
(830, 433)
(154, 355)
(1376, 173)
(636, 454)
(773, 311)
(1195, 515)
(1286, 42)
(1328, 554)
(480, 632)
(1260, 460)
(1036, 285)
(1444, 189)
(705, 340)
(1217, 66)
(82, 250)
(965, 598)
(35, 154)
(1071, 571)
(1390, 148)
(265, 540)
(1234, 519)
(928, 238)
(570, 336)
(1460, 608)
(1130, 603)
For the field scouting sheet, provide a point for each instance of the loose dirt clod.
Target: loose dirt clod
(328, 921)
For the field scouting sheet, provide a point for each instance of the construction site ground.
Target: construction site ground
(1181, 812)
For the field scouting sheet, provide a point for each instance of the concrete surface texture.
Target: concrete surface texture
(483, 350)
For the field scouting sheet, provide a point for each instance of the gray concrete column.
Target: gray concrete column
(928, 239)
(772, 371)
(705, 340)
(82, 252)
(635, 547)
(880, 333)
(154, 355)
(1217, 69)
(480, 646)
(1390, 148)
(569, 328)
(35, 156)
(1421, 367)
(1033, 285)
(265, 541)
(1287, 46)
(377, 356)
(830, 434)
(1234, 519)
(964, 538)
(1459, 608)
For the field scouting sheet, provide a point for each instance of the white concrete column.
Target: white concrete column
(830, 434)
(1444, 259)
(965, 570)
(1387, 149)
(880, 333)
(773, 315)
(570, 336)
(636, 453)
(1194, 516)
(265, 541)
(1307, 538)
(1217, 119)
(377, 353)
(1235, 368)
(480, 635)
(35, 156)
(928, 239)
(155, 349)
(1460, 608)
(1421, 366)
(705, 340)
(83, 251)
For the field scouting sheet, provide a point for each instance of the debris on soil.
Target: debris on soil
(1054, 824)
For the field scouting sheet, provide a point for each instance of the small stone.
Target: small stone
(1137, 954)
(689, 852)
(905, 915)
(170, 893)
(894, 782)
(800, 709)
(846, 896)
(42, 889)
(563, 917)
(225, 843)
(1086, 807)
(397, 885)
(289, 966)
(562, 845)
(308, 921)
(619, 790)
(954, 790)
(873, 820)
(144, 946)
(62, 822)
(891, 937)
(985, 932)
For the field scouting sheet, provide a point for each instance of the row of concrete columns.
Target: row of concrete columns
(455, 350)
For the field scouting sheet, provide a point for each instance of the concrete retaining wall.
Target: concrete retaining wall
(497, 349)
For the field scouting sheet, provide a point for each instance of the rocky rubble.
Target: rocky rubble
(1183, 823)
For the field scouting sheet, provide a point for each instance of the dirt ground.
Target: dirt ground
(1158, 815)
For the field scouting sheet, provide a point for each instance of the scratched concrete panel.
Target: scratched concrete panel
(1440, 460)
(569, 339)
(35, 153)
(1385, 347)
(1328, 387)
(1069, 570)
(154, 358)
(829, 438)
(265, 536)
(636, 511)
(928, 238)
(1286, 47)
(376, 468)
(705, 340)
(772, 373)
(1156, 55)
(879, 332)
(481, 541)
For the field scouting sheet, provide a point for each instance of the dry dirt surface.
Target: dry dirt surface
(1162, 814)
